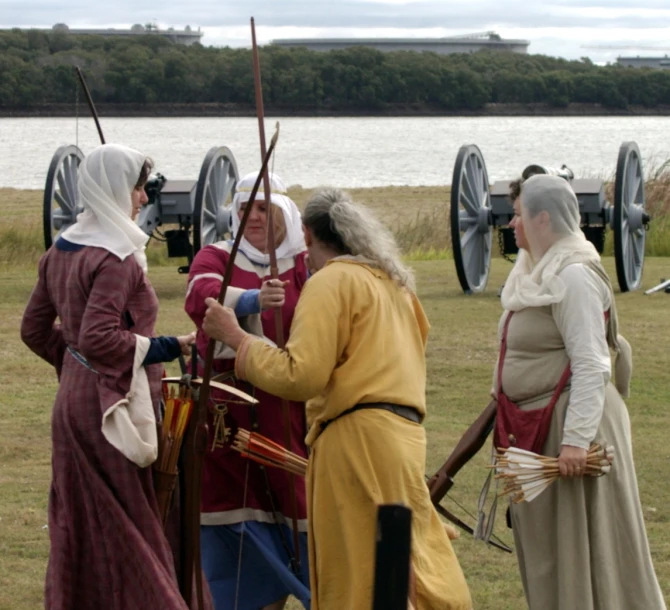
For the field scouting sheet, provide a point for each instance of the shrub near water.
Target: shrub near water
(426, 236)
(657, 196)
(657, 193)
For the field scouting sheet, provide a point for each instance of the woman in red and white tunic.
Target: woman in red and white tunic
(108, 549)
(247, 544)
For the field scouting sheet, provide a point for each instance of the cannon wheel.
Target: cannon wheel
(471, 223)
(629, 218)
(215, 190)
(59, 210)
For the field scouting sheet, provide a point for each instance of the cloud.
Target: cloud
(346, 13)
(559, 27)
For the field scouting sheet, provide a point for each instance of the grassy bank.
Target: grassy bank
(418, 216)
(461, 353)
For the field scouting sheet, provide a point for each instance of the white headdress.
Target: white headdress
(107, 177)
(536, 284)
(294, 241)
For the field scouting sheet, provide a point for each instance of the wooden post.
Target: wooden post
(392, 557)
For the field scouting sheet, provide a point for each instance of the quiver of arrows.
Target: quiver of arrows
(178, 409)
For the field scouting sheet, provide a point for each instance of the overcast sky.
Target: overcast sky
(557, 27)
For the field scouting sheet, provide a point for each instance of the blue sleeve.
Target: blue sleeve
(162, 349)
(249, 303)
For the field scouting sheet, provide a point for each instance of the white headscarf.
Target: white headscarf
(107, 177)
(537, 284)
(294, 241)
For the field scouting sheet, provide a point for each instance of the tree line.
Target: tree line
(36, 68)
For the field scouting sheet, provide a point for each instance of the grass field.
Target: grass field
(461, 353)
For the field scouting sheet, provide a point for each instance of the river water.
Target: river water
(345, 152)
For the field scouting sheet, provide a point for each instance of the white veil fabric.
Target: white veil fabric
(294, 241)
(537, 284)
(107, 177)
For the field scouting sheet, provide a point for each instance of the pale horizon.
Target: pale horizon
(559, 28)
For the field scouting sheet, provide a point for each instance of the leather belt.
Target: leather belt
(80, 359)
(409, 413)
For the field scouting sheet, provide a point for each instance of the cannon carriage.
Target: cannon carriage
(476, 208)
(197, 211)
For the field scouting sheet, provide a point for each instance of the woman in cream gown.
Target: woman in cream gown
(581, 544)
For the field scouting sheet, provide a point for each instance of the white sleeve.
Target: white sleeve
(129, 425)
(250, 323)
(581, 321)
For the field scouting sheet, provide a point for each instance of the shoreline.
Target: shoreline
(239, 110)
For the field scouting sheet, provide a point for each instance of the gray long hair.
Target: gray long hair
(352, 229)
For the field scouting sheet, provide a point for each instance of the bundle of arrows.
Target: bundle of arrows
(178, 408)
(264, 451)
(526, 475)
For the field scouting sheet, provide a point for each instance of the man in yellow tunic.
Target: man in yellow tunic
(356, 355)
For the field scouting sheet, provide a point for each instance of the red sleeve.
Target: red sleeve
(108, 347)
(204, 280)
(38, 329)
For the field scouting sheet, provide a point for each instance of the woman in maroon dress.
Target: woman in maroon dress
(108, 549)
(247, 543)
